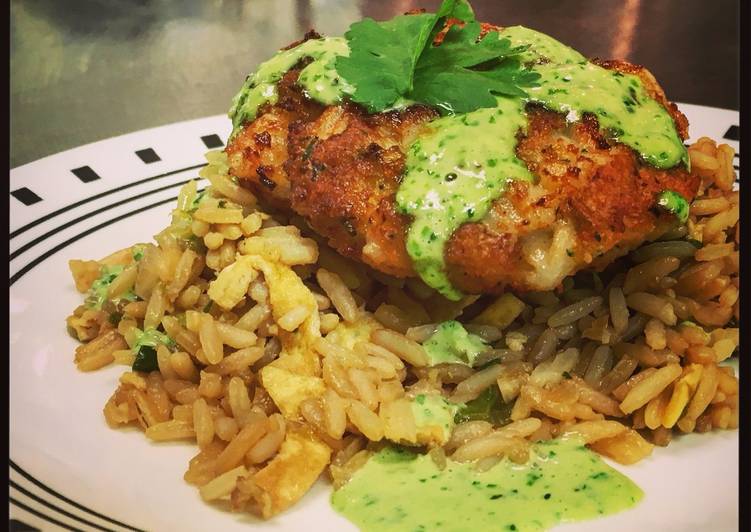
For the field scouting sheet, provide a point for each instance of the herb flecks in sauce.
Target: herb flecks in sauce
(318, 79)
(452, 176)
(451, 343)
(99, 291)
(563, 481)
(456, 170)
(568, 82)
(434, 417)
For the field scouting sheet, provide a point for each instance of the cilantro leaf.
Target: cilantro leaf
(446, 78)
(383, 55)
(459, 9)
(382, 58)
(461, 46)
(396, 59)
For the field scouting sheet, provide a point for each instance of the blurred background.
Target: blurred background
(86, 70)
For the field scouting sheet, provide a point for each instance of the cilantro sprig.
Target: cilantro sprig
(396, 59)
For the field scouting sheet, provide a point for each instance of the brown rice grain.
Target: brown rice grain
(393, 318)
(473, 386)
(239, 401)
(575, 311)
(383, 368)
(626, 448)
(601, 363)
(170, 430)
(655, 409)
(467, 431)
(592, 431)
(189, 297)
(366, 389)
(483, 447)
(420, 333)
(679, 249)
(225, 427)
(183, 366)
(652, 305)
(599, 401)
(268, 446)
(293, 318)
(338, 293)
(203, 424)
(544, 346)
(401, 346)
(618, 375)
(378, 351)
(233, 454)
(235, 337)
(254, 317)
(654, 333)
(210, 385)
(211, 341)
(367, 422)
(649, 388)
(334, 414)
(184, 338)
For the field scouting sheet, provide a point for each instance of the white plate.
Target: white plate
(70, 471)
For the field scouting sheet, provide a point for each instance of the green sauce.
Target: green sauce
(150, 338)
(675, 204)
(398, 490)
(461, 166)
(570, 83)
(98, 293)
(451, 343)
(319, 79)
(433, 410)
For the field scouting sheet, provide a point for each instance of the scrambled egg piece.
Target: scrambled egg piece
(291, 473)
(295, 375)
(348, 334)
(289, 389)
(231, 285)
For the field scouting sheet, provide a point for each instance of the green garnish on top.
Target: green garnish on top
(395, 60)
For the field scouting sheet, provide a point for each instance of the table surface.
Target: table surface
(91, 69)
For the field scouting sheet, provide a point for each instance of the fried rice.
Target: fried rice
(284, 360)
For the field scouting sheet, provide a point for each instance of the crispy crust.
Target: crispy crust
(340, 168)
